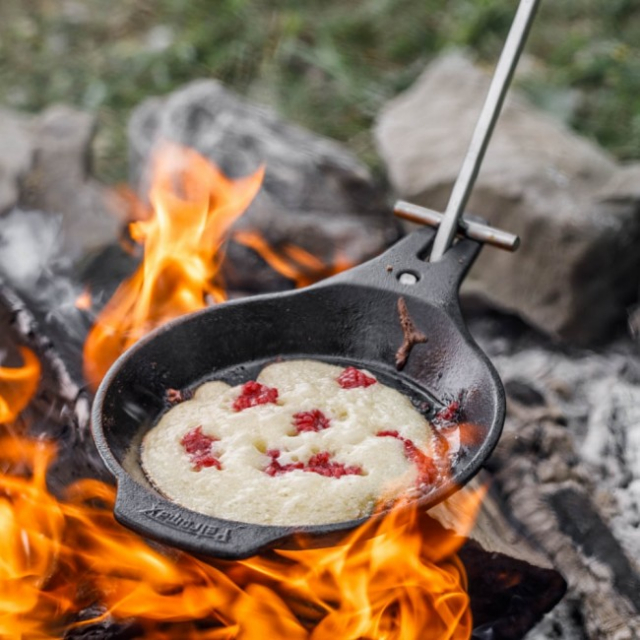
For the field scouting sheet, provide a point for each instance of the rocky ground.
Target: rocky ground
(557, 318)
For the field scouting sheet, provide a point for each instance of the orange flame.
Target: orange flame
(291, 261)
(194, 206)
(393, 579)
(18, 385)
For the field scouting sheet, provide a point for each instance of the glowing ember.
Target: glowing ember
(194, 206)
(84, 301)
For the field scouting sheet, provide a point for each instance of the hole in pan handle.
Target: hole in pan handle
(436, 282)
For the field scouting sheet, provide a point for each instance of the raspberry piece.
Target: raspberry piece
(199, 447)
(313, 420)
(275, 468)
(351, 378)
(451, 413)
(253, 393)
(320, 463)
(427, 471)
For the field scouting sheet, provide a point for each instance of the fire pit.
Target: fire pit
(76, 573)
(555, 507)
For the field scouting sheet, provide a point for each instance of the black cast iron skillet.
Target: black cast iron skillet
(351, 318)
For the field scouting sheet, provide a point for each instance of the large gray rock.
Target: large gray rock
(16, 156)
(315, 193)
(45, 165)
(60, 180)
(576, 210)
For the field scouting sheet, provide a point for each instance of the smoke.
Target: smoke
(30, 243)
(34, 264)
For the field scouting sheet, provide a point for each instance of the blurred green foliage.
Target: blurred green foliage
(327, 64)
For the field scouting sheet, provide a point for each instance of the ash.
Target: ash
(568, 470)
(566, 473)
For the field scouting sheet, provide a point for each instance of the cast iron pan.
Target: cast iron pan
(352, 319)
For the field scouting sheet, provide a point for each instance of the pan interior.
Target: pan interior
(423, 401)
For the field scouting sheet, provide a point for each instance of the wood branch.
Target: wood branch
(61, 408)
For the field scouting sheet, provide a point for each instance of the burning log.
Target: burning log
(59, 408)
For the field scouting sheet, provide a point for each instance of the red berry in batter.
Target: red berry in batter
(322, 464)
(313, 420)
(427, 471)
(253, 393)
(319, 463)
(275, 468)
(351, 378)
(199, 447)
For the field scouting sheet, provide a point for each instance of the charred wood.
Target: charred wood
(567, 471)
(61, 407)
(512, 584)
(105, 628)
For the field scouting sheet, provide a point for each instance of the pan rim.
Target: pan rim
(448, 306)
(278, 533)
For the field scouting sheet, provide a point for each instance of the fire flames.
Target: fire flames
(291, 261)
(397, 579)
(194, 206)
(17, 386)
(65, 563)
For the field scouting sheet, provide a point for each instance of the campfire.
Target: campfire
(67, 565)
(241, 202)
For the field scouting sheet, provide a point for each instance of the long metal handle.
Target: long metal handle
(469, 228)
(482, 134)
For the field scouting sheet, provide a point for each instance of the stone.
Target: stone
(45, 165)
(15, 156)
(315, 193)
(576, 210)
(60, 181)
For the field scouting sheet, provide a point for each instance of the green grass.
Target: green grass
(327, 64)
